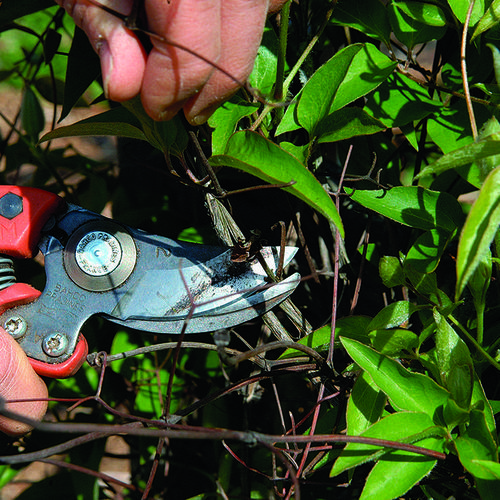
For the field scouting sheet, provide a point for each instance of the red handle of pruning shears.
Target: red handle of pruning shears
(24, 211)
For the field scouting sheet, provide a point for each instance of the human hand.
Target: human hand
(227, 32)
(18, 380)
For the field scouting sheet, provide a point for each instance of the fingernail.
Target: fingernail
(203, 115)
(167, 113)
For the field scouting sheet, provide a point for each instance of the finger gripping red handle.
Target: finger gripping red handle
(23, 213)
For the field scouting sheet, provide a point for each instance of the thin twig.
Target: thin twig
(463, 68)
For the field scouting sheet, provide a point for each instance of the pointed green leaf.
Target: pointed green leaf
(319, 92)
(365, 405)
(353, 327)
(116, 121)
(391, 271)
(225, 119)
(483, 148)
(426, 252)
(416, 22)
(83, 68)
(167, 136)
(393, 315)
(490, 18)
(412, 206)
(252, 153)
(408, 468)
(479, 399)
(461, 7)
(475, 445)
(394, 427)
(346, 123)
(491, 470)
(399, 101)
(496, 57)
(407, 391)
(479, 230)
(32, 116)
(348, 75)
(368, 69)
(454, 362)
(263, 75)
(392, 342)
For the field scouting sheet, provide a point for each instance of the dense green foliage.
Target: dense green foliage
(381, 162)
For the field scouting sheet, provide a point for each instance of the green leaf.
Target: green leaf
(166, 136)
(346, 123)
(289, 122)
(399, 101)
(491, 470)
(32, 117)
(117, 121)
(479, 230)
(482, 148)
(353, 327)
(7, 474)
(368, 69)
(250, 152)
(317, 97)
(263, 76)
(393, 315)
(394, 427)
(454, 362)
(490, 18)
(461, 7)
(474, 446)
(300, 152)
(416, 22)
(496, 58)
(412, 206)
(366, 16)
(448, 129)
(83, 68)
(479, 399)
(408, 468)
(225, 120)
(51, 44)
(365, 405)
(52, 90)
(391, 271)
(392, 342)
(479, 282)
(407, 391)
(350, 74)
(426, 252)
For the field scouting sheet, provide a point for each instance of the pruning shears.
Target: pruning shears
(95, 265)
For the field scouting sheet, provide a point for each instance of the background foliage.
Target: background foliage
(382, 158)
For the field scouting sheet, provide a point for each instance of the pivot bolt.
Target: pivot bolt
(11, 205)
(98, 253)
(16, 326)
(55, 344)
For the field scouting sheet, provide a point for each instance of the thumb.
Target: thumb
(18, 380)
(123, 59)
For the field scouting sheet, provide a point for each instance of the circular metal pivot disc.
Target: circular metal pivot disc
(100, 255)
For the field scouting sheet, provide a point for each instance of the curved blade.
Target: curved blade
(217, 293)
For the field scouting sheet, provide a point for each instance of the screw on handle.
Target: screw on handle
(66, 368)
